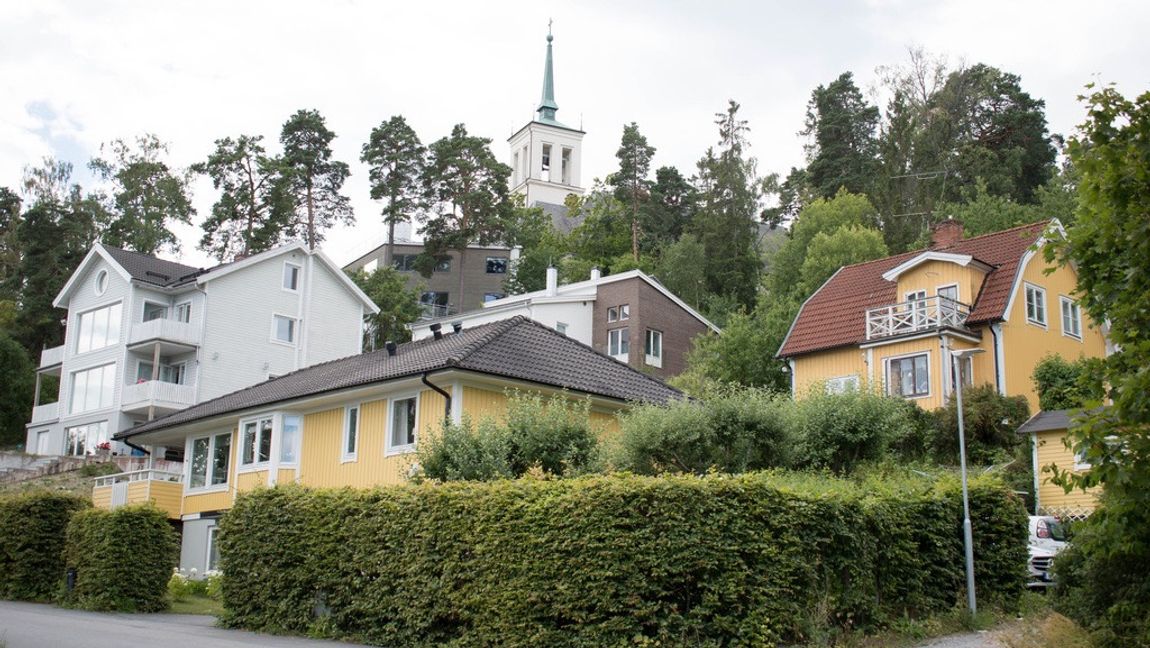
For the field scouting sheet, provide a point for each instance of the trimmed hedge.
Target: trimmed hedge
(32, 543)
(123, 559)
(714, 560)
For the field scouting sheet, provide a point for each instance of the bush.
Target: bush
(123, 559)
(990, 422)
(465, 452)
(839, 431)
(686, 560)
(733, 431)
(1067, 385)
(32, 543)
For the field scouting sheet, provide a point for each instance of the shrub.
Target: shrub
(32, 543)
(123, 559)
(1067, 385)
(591, 561)
(990, 421)
(839, 431)
(99, 469)
(733, 431)
(465, 452)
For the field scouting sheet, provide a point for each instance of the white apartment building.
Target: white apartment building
(146, 337)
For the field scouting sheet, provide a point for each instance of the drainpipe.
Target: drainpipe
(133, 446)
(995, 329)
(446, 397)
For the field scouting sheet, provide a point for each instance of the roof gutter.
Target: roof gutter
(446, 396)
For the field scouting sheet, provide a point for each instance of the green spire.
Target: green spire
(547, 105)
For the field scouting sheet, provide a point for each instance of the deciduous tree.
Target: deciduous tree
(398, 306)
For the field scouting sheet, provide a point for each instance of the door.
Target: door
(917, 303)
(43, 443)
(948, 305)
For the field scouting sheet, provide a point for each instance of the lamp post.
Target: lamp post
(967, 538)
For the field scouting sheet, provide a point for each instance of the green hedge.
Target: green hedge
(123, 559)
(32, 543)
(594, 561)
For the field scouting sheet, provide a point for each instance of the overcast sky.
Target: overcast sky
(76, 74)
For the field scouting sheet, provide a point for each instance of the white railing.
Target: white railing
(915, 315)
(52, 357)
(164, 329)
(46, 412)
(158, 392)
(140, 475)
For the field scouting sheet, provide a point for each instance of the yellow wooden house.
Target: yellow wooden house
(893, 323)
(357, 421)
(1047, 432)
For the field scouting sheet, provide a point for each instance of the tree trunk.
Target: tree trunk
(389, 256)
(635, 226)
(310, 217)
(462, 275)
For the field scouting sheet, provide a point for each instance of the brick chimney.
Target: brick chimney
(945, 234)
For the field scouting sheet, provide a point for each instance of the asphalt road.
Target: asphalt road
(31, 625)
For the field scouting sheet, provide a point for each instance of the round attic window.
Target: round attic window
(101, 282)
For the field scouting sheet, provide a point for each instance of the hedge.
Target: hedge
(32, 543)
(686, 560)
(123, 559)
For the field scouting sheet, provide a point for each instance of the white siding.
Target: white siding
(577, 315)
(334, 329)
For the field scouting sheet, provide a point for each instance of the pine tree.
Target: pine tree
(315, 180)
(630, 182)
(397, 159)
(669, 211)
(843, 147)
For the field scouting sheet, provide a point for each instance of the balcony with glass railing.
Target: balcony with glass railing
(915, 316)
(160, 487)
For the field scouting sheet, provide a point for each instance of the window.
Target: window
(443, 265)
(99, 328)
(948, 305)
(492, 296)
(546, 157)
(213, 562)
(154, 311)
(283, 329)
(1081, 461)
(84, 439)
(350, 432)
(515, 168)
(909, 377)
(565, 166)
(1071, 317)
(967, 369)
(618, 313)
(256, 441)
(561, 327)
(210, 458)
(289, 441)
(291, 276)
(1035, 305)
(184, 312)
(843, 384)
(92, 388)
(496, 265)
(917, 302)
(101, 282)
(404, 262)
(653, 348)
(401, 437)
(169, 373)
(619, 343)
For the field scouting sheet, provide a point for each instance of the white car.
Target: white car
(1047, 539)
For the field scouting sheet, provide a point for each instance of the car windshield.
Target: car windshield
(1057, 532)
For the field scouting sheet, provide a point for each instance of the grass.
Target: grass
(1050, 629)
(195, 604)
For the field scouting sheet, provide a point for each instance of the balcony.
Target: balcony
(915, 316)
(52, 358)
(176, 336)
(164, 397)
(162, 488)
(46, 413)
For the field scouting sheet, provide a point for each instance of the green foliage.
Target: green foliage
(744, 354)
(669, 211)
(99, 469)
(397, 158)
(1062, 384)
(398, 306)
(96, 546)
(990, 421)
(32, 530)
(842, 129)
(467, 452)
(681, 269)
(17, 374)
(632, 186)
(688, 560)
(313, 178)
(840, 431)
(829, 252)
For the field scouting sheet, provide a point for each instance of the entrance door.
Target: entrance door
(948, 305)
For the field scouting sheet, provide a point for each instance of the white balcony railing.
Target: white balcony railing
(140, 475)
(164, 329)
(158, 393)
(52, 357)
(915, 315)
(46, 412)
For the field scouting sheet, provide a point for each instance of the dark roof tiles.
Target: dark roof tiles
(149, 269)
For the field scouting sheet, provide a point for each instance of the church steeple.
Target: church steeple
(547, 105)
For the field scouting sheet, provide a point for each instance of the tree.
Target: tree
(669, 211)
(603, 233)
(147, 195)
(9, 249)
(253, 211)
(17, 375)
(725, 222)
(1063, 385)
(829, 252)
(793, 194)
(682, 269)
(842, 129)
(630, 182)
(314, 178)
(398, 306)
(469, 189)
(541, 246)
(397, 158)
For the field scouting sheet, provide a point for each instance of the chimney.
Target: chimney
(596, 273)
(437, 330)
(552, 281)
(390, 346)
(457, 326)
(946, 234)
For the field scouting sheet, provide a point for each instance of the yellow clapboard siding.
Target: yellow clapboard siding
(930, 276)
(168, 497)
(814, 369)
(102, 497)
(202, 502)
(138, 492)
(1052, 451)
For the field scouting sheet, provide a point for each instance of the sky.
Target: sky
(74, 75)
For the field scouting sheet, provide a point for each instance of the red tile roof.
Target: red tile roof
(836, 314)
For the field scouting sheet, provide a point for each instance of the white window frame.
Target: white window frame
(653, 359)
(1080, 462)
(148, 302)
(208, 486)
(255, 463)
(279, 439)
(186, 307)
(561, 327)
(209, 544)
(624, 312)
(1028, 289)
(275, 329)
(929, 375)
(390, 449)
(91, 311)
(297, 275)
(101, 284)
(72, 388)
(621, 355)
(346, 456)
(89, 449)
(1063, 302)
(842, 384)
(916, 302)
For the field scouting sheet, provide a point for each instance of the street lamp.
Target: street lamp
(957, 358)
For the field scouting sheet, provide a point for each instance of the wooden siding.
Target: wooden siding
(816, 368)
(1051, 498)
(479, 404)
(168, 496)
(102, 497)
(201, 502)
(931, 275)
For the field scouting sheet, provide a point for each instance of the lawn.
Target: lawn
(194, 604)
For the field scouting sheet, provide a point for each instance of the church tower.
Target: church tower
(546, 155)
